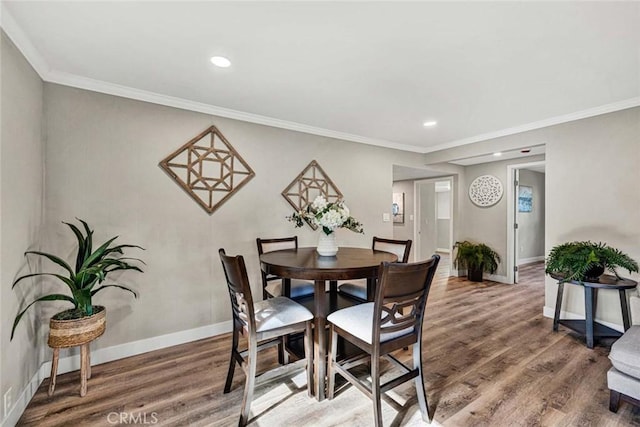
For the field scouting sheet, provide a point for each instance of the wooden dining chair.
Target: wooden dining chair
(384, 326)
(273, 286)
(401, 248)
(264, 323)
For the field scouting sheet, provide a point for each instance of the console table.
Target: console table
(589, 328)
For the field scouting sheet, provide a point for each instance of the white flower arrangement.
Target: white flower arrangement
(329, 216)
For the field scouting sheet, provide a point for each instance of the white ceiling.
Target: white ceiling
(370, 72)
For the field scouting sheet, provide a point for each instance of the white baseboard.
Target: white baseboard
(444, 250)
(108, 354)
(14, 414)
(496, 278)
(523, 261)
(550, 312)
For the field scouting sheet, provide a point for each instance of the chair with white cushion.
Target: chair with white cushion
(264, 323)
(623, 378)
(273, 286)
(381, 327)
(401, 248)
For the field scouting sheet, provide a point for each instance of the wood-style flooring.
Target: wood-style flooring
(491, 359)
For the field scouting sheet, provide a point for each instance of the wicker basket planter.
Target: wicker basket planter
(75, 332)
(71, 333)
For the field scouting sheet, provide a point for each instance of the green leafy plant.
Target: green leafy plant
(582, 260)
(87, 279)
(475, 256)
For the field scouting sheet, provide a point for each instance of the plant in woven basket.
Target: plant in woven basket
(587, 260)
(87, 278)
(476, 258)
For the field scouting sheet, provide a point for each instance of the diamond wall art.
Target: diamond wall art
(309, 184)
(208, 168)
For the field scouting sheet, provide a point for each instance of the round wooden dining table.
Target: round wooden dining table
(306, 264)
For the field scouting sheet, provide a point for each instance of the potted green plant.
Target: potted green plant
(476, 258)
(587, 261)
(84, 321)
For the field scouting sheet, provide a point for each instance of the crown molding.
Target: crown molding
(80, 82)
(38, 62)
(591, 112)
(22, 42)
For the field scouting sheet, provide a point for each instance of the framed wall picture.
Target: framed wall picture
(525, 198)
(397, 208)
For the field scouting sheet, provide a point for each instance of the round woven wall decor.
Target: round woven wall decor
(485, 190)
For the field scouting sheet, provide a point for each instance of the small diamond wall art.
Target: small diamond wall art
(309, 184)
(209, 169)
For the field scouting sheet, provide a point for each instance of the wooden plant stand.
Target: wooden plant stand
(75, 333)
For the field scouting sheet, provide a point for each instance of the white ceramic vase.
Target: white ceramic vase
(327, 245)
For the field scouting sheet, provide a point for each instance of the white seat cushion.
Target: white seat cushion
(357, 288)
(358, 321)
(299, 288)
(625, 353)
(279, 312)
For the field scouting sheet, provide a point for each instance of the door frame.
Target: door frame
(416, 212)
(511, 215)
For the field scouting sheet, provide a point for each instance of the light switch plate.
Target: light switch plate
(386, 217)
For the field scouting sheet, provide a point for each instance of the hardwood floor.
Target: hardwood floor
(491, 359)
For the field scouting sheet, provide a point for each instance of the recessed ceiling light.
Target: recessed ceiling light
(430, 123)
(220, 61)
(498, 154)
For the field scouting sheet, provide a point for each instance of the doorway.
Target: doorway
(433, 209)
(526, 197)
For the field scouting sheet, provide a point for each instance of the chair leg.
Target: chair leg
(308, 354)
(283, 356)
(249, 384)
(331, 371)
(420, 390)
(54, 371)
(84, 348)
(232, 359)
(614, 401)
(375, 390)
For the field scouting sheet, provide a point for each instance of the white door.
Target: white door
(516, 246)
(427, 221)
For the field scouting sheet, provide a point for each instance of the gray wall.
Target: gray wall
(592, 192)
(531, 224)
(21, 193)
(487, 225)
(116, 185)
(405, 231)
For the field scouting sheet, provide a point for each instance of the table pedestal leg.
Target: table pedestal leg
(320, 341)
(371, 288)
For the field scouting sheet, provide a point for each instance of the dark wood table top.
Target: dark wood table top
(606, 281)
(305, 263)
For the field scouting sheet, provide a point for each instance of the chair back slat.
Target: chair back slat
(270, 245)
(401, 248)
(401, 296)
(235, 272)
